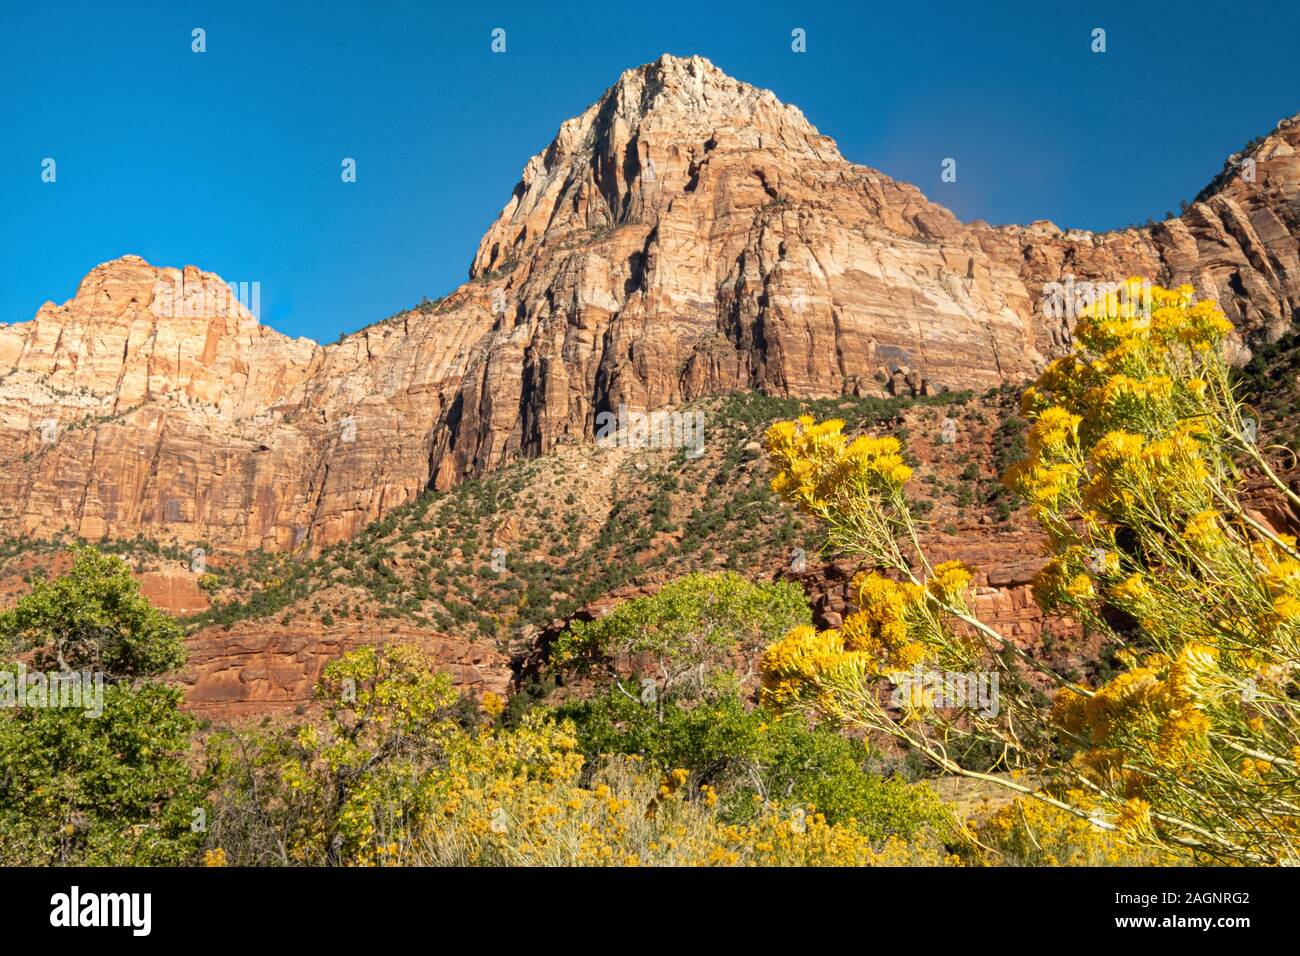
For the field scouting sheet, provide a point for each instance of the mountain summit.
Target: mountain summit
(688, 234)
(647, 139)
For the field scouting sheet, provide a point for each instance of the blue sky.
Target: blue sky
(230, 159)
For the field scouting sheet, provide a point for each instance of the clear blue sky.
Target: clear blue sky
(230, 160)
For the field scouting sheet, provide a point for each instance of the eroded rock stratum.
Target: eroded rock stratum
(687, 234)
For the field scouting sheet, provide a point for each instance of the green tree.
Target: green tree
(94, 617)
(97, 785)
(687, 633)
(109, 790)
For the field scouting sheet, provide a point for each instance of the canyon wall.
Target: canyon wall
(688, 234)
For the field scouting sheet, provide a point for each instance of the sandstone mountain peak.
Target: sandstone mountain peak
(687, 235)
(679, 87)
(135, 333)
(648, 137)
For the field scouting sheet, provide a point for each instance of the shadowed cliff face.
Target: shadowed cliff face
(688, 234)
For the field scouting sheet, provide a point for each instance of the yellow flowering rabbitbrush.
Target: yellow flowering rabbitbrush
(1134, 471)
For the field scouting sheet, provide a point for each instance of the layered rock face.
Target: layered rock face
(130, 410)
(688, 234)
(1238, 243)
(261, 668)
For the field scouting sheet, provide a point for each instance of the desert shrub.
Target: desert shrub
(752, 758)
(1029, 832)
(337, 790)
(1135, 468)
(111, 790)
(515, 798)
(390, 777)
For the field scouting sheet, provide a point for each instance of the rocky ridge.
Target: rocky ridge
(688, 234)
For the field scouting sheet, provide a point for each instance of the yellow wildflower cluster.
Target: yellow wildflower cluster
(1053, 430)
(1130, 472)
(1148, 371)
(1062, 580)
(806, 666)
(1134, 469)
(1203, 531)
(1282, 580)
(949, 581)
(1200, 326)
(816, 462)
(1123, 436)
(1059, 385)
(1174, 319)
(1150, 717)
(1133, 590)
(1133, 819)
(887, 634)
(1044, 486)
(1119, 390)
(1029, 832)
(516, 798)
(808, 840)
(1125, 471)
(885, 623)
(673, 782)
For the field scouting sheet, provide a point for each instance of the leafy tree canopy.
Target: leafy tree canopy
(93, 617)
